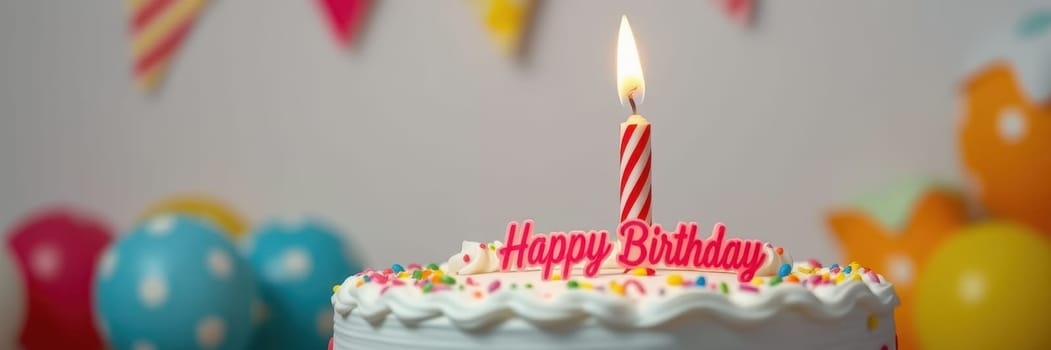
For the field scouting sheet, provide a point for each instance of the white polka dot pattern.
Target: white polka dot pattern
(219, 264)
(161, 226)
(46, 261)
(210, 332)
(153, 291)
(296, 263)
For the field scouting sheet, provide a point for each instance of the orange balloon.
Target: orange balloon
(1005, 143)
(897, 253)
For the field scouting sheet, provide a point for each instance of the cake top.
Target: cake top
(472, 289)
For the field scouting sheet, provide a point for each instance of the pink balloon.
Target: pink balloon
(56, 251)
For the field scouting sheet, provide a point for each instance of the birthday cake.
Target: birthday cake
(646, 289)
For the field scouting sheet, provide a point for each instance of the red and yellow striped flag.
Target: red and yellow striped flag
(158, 28)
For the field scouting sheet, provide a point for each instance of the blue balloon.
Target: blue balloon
(174, 283)
(297, 265)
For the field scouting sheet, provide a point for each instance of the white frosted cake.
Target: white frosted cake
(472, 302)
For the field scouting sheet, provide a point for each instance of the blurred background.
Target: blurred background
(838, 130)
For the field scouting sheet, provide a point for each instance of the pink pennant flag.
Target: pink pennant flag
(344, 18)
(740, 11)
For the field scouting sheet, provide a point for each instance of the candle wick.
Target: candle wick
(631, 101)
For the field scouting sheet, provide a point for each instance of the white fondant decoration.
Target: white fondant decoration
(1026, 48)
(475, 257)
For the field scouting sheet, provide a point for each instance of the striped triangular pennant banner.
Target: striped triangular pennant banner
(158, 28)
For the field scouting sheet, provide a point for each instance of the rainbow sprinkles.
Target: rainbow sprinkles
(643, 245)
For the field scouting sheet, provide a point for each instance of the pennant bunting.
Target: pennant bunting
(740, 11)
(344, 18)
(506, 21)
(158, 28)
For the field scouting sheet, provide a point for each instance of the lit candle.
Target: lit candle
(635, 189)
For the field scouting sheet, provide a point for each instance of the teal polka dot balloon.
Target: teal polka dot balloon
(174, 283)
(297, 264)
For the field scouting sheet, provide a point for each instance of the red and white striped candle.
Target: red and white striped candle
(635, 189)
(635, 193)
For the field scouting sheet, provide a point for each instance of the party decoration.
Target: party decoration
(506, 21)
(201, 207)
(740, 11)
(297, 263)
(986, 288)
(344, 18)
(158, 28)
(175, 282)
(525, 250)
(1006, 128)
(894, 231)
(13, 304)
(56, 250)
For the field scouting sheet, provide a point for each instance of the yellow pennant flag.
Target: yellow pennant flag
(158, 28)
(506, 21)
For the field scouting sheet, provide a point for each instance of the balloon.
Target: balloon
(986, 288)
(56, 250)
(203, 208)
(297, 264)
(12, 305)
(175, 282)
(894, 232)
(1005, 134)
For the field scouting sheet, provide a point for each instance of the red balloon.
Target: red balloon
(56, 251)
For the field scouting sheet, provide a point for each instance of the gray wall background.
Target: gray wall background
(424, 135)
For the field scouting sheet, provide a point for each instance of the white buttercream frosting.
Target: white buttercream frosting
(773, 262)
(523, 295)
(467, 303)
(475, 258)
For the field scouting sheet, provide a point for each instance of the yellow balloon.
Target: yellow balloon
(201, 207)
(986, 288)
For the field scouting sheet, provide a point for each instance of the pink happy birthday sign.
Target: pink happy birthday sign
(643, 245)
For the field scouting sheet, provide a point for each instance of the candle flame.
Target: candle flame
(629, 70)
